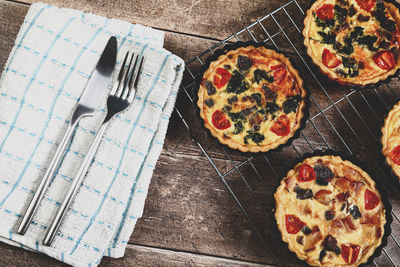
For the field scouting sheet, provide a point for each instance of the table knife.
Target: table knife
(91, 97)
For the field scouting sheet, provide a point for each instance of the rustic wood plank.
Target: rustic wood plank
(135, 256)
(201, 228)
(147, 256)
(195, 212)
(214, 19)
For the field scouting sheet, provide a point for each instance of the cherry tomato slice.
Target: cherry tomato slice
(219, 120)
(395, 155)
(329, 59)
(306, 173)
(325, 12)
(281, 126)
(280, 73)
(221, 77)
(350, 253)
(366, 4)
(371, 200)
(385, 60)
(293, 224)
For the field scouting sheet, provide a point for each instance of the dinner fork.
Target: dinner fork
(120, 98)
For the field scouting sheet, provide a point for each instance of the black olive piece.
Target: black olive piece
(343, 206)
(352, 11)
(268, 93)
(210, 88)
(232, 99)
(244, 63)
(303, 193)
(395, 51)
(256, 127)
(299, 239)
(360, 64)
(226, 108)
(363, 18)
(386, 34)
(383, 44)
(228, 67)
(257, 98)
(355, 212)
(343, 2)
(322, 254)
(209, 102)
(306, 230)
(330, 244)
(338, 46)
(323, 173)
(329, 215)
(246, 111)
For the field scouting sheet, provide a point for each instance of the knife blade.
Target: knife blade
(94, 91)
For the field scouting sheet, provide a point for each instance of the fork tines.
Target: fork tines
(128, 77)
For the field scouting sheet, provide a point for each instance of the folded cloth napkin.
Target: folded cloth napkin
(54, 54)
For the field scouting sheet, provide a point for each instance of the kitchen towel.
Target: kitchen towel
(48, 68)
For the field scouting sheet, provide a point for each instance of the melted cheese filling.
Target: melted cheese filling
(312, 213)
(264, 121)
(370, 69)
(391, 135)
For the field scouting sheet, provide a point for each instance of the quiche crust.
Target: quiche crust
(269, 54)
(363, 234)
(395, 14)
(390, 136)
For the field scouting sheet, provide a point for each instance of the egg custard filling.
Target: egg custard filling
(353, 41)
(329, 212)
(391, 139)
(252, 99)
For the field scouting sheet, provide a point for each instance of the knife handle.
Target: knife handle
(44, 183)
(77, 180)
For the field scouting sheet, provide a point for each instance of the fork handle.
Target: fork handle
(44, 183)
(77, 180)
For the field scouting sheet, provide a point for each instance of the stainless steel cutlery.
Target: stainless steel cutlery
(95, 89)
(119, 99)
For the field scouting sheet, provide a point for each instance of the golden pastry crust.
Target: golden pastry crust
(254, 115)
(390, 138)
(368, 70)
(338, 216)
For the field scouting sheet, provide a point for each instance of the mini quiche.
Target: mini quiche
(391, 139)
(354, 42)
(252, 99)
(329, 212)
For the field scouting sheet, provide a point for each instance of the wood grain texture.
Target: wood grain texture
(136, 255)
(190, 216)
(191, 213)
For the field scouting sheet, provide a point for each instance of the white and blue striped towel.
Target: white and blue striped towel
(48, 68)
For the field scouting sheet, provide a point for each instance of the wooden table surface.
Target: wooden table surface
(190, 217)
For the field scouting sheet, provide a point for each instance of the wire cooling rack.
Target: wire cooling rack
(341, 119)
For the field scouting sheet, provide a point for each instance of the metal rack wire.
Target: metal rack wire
(341, 119)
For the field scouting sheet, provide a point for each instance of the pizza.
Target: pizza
(329, 212)
(354, 42)
(390, 139)
(252, 99)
